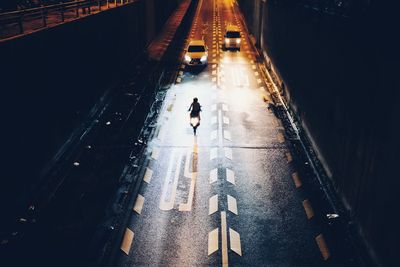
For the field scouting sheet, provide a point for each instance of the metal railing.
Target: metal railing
(27, 20)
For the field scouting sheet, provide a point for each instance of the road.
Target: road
(231, 195)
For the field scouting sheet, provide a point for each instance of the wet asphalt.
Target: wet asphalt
(229, 195)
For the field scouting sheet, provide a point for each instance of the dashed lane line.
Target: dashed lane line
(127, 241)
(296, 179)
(235, 242)
(213, 175)
(213, 153)
(155, 153)
(232, 204)
(228, 153)
(308, 208)
(213, 205)
(139, 204)
(289, 157)
(213, 241)
(323, 247)
(148, 175)
(230, 176)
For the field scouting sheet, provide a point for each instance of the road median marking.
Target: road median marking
(139, 204)
(155, 153)
(212, 241)
(213, 205)
(308, 208)
(235, 242)
(127, 241)
(323, 247)
(289, 157)
(296, 180)
(230, 176)
(213, 176)
(232, 204)
(228, 153)
(148, 175)
(213, 153)
(224, 237)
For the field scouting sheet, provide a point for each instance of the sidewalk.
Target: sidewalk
(160, 44)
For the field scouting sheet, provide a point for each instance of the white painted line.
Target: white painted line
(169, 204)
(214, 66)
(139, 204)
(262, 88)
(259, 81)
(213, 205)
(147, 176)
(227, 135)
(281, 138)
(235, 241)
(180, 73)
(213, 175)
(214, 72)
(228, 153)
(183, 66)
(191, 156)
(232, 205)
(213, 119)
(226, 120)
(220, 141)
(224, 239)
(155, 153)
(213, 135)
(213, 153)
(212, 241)
(230, 176)
(214, 79)
(225, 107)
(127, 241)
(178, 80)
(256, 73)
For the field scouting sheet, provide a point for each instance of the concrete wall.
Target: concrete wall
(52, 78)
(340, 77)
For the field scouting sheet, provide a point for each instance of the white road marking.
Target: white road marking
(228, 153)
(214, 66)
(178, 80)
(227, 135)
(213, 153)
(213, 205)
(323, 247)
(213, 175)
(127, 241)
(226, 120)
(256, 73)
(180, 73)
(212, 241)
(214, 72)
(220, 128)
(193, 156)
(138, 204)
(224, 239)
(213, 135)
(164, 204)
(147, 176)
(232, 205)
(214, 79)
(155, 153)
(230, 176)
(213, 119)
(235, 241)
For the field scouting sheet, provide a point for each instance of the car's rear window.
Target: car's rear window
(196, 48)
(233, 34)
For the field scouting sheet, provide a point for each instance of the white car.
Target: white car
(196, 53)
(232, 37)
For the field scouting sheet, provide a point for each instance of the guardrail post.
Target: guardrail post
(62, 13)
(21, 23)
(44, 22)
(77, 9)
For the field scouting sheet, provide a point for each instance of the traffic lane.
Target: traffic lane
(273, 225)
(164, 235)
